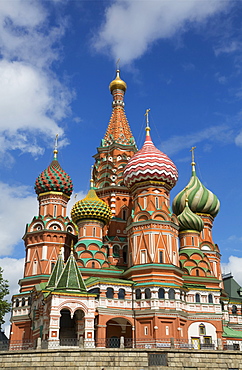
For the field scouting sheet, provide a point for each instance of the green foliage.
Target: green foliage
(4, 305)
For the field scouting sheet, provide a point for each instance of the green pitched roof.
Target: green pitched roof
(56, 273)
(231, 333)
(71, 279)
(231, 287)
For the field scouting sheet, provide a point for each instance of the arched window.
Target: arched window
(145, 202)
(93, 265)
(156, 202)
(52, 266)
(23, 301)
(55, 210)
(147, 293)
(17, 303)
(125, 254)
(161, 256)
(94, 232)
(197, 272)
(84, 231)
(222, 305)
(171, 294)
(234, 309)
(197, 298)
(95, 291)
(121, 294)
(210, 298)
(138, 294)
(124, 214)
(202, 329)
(116, 251)
(161, 293)
(109, 293)
(29, 301)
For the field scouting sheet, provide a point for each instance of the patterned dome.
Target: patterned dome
(91, 208)
(149, 163)
(54, 178)
(189, 220)
(200, 199)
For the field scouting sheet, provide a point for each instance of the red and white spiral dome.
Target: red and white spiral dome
(150, 164)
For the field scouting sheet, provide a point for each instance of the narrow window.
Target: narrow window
(52, 266)
(161, 293)
(124, 214)
(147, 293)
(137, 294)
(35, 268)
(171, 294)
(146, 330)
(210, 298)
(161, 256)
(197, 298)
(143, 256)
(121, 294)
(234, 309)
(94, 232)
(197, 272)
(93, 265)
(44, 252)
(125, 252)
(145, 202)
(55, 209)
(202, 329)
(23, 302)
(84, 231)
(156, 202)
(167, 330)
(17, 303)
(109, 293)
(116, 251)
(192, 240)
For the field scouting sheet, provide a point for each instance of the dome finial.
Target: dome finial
(91, 180)
(193, 160)
(56, 146)
(147, 128)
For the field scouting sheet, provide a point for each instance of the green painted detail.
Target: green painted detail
(96, 280)
(158, 284)
(85, 260)
(188, 220)
(191, 251)
(71, 278)
(105, 270)
(54, 178)
(88, 242)
(231, 333)
(200, 199)
(56, 273)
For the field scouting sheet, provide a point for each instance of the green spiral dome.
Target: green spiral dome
(189, 221)
(91, 208)
(200, 199)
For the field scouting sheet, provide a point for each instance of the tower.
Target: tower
(117, 147)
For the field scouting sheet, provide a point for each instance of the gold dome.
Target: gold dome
(117, 83)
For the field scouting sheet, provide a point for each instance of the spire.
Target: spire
(71, 279)
(56, 273)
(147, 128)
(91, 180)
(56, 147)
(193, 161)
(118, 130)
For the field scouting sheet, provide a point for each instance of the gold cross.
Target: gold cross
(147, 117)
(192, 150)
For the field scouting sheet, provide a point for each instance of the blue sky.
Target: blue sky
(180, 58)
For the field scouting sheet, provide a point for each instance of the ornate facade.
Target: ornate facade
(127, 263)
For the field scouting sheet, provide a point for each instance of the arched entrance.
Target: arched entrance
(71, 328)
(116, 328)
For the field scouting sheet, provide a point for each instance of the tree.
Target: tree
(5, 306)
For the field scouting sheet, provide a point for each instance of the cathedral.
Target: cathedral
(127, 267)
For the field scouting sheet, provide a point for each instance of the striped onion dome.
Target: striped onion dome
(91, 208)
(189, 221)
(149, 163)
(200, 199)
(54, 178)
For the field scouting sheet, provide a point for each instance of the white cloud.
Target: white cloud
(222, 134)
(16, 203)
(131, 27)
(33, 102)
(233, 266)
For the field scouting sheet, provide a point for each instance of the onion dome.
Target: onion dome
(54, 178)
(190, 221)
(117, 83)
(200, 199)
(91, 208)
(150, 164)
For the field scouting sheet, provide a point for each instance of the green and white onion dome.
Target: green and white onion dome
(91, 208)
(189, 221)
(200, 199)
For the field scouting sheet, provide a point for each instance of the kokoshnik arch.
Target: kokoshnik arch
(126, 263)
